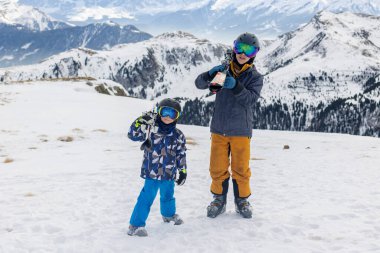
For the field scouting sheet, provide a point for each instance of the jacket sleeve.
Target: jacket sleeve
(202, 81)
(181, 153)
(247, 96)
(137, 132)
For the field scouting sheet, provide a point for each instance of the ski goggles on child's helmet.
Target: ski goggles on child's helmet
(165, 111)
(248, 50)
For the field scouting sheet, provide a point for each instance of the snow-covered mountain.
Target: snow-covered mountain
(164, 65)
(218, 19)
(13, 13)
(340, 51)
(20, 45)
(316, 76)
(330, 57)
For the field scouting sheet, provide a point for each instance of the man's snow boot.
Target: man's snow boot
(177, 220)
(217, 206)
(243, 207)
(137, 231)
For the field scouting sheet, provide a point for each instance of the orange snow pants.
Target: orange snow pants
(238, 147)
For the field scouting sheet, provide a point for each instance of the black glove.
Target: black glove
(214, 88)
(147, 118)
(182, 177)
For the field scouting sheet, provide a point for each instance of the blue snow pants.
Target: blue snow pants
(146, 198)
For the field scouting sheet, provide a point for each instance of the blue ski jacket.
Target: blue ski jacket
(233, 110)
(168, 153)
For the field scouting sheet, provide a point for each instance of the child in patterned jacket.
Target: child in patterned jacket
(164, 155)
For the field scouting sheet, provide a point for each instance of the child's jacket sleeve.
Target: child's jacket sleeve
(181, 152)
(137, 131)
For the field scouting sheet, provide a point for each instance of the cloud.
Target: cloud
(98, 13)
(174, 6)
(222, 4)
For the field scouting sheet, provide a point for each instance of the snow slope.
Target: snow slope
(321, 195)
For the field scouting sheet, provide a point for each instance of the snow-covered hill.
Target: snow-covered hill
(218, 19)
(321, 195)
(13, 13)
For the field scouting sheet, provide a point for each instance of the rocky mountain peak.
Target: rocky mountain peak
(13, 13)
(175, 35)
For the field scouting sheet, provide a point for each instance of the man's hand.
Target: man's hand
(214, 88)
(212, 72)
(229, 83)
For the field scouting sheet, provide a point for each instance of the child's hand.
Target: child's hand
(146, 119)
(182, 177)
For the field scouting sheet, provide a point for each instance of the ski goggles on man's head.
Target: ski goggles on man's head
(248, 50)
(165, 111)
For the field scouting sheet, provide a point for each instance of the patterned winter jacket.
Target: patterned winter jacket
(168, 153)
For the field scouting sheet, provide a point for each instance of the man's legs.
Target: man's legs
(241, 174)
(219, 163)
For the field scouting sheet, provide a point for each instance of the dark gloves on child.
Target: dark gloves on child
(182, 177)
(216, 69)
(146, 119)
(230, 82)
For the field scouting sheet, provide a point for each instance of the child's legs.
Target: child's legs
(144, 202)
(167, 200)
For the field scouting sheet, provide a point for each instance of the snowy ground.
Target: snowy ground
(321, 195)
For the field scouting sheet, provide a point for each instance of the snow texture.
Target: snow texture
(69, 179)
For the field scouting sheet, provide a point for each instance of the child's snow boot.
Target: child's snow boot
(243, 207)
(137, 231)
(177, 220)
(217, 206)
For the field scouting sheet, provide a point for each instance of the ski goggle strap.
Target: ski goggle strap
(248, 50)
(165, 111)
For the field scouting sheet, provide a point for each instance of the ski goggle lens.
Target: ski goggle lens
(168, 112)
(248, 50)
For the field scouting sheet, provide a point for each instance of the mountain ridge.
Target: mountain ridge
(319, 69)
(22, 46)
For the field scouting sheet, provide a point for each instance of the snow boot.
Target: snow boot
(243, 207)
(217, 206)
(177, 220)
(137, 231)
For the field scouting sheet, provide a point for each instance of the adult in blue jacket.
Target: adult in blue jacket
(231, 125)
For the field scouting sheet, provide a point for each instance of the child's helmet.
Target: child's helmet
(248, 38)
(169, 102)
